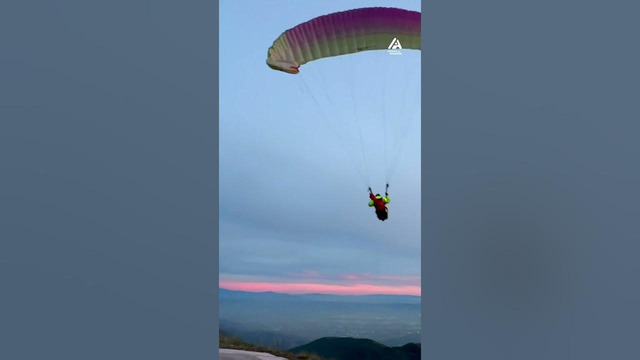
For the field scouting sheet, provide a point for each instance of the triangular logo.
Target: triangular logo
(395, 44)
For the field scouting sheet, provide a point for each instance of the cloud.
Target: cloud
(314, 288)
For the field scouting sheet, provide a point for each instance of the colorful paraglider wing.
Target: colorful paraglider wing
(343, 33)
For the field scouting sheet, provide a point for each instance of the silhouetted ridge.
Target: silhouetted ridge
(347, 348)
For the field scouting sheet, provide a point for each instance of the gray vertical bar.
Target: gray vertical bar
(215, 67)
(108, 179)
(530, 180)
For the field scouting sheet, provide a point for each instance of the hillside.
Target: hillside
(228, 342)
(361, 349)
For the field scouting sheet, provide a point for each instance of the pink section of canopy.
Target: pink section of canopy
(349, 23)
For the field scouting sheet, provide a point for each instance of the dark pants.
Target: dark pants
(382, 214)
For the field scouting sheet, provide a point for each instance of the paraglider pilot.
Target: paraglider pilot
(380, 203)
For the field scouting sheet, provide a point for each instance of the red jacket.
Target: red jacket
(377, 203)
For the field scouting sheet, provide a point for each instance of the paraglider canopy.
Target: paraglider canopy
(343, 33)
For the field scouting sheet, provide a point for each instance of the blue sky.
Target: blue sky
(293, 180)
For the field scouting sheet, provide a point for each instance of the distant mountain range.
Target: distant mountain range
(362, 349)
(286, 321)
(366, 299)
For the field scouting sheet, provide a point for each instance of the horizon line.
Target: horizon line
(315, 293)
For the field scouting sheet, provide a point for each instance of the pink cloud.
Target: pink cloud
(350, 277)
(308, 288)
